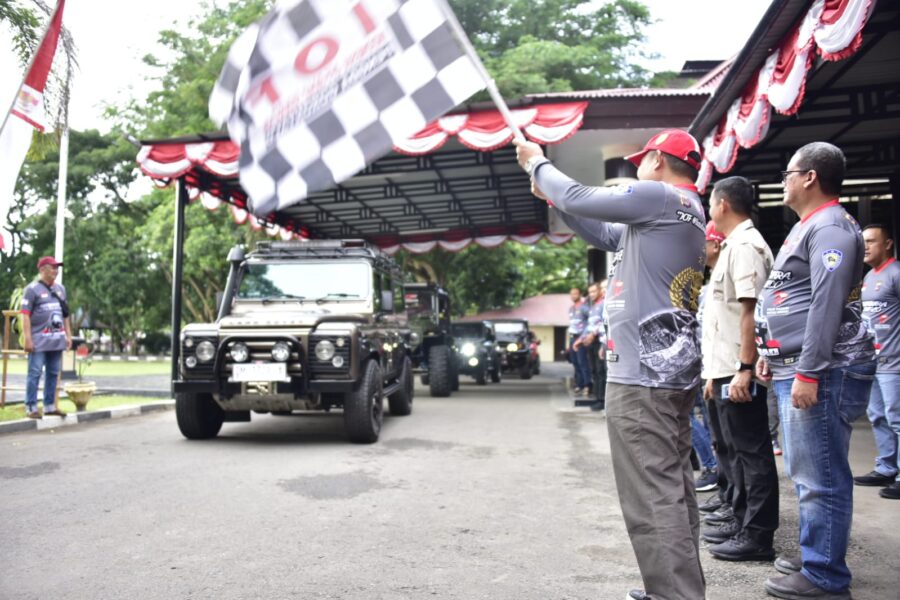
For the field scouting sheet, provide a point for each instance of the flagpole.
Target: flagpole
(28, 70)
(61, 196)
(491, 86)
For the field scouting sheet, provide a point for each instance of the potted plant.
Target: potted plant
(81, 391)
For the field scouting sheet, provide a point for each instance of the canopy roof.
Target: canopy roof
(456, 182)
(432, 187)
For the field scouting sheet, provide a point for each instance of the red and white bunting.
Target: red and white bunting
(832, 29)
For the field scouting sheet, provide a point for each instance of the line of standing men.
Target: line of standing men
(587, 343)
(807, 328)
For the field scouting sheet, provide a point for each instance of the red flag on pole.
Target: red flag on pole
(24, 116)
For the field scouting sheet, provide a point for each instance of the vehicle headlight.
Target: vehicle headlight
(324, 350)
(512, 347)
(206, 351)
(281, 352)
(188, 342)
(473, 362)
(468, 349)
(190, 362)
(338, 361)
(240, 352)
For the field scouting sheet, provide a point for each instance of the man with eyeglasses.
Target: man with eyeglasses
(813, 342)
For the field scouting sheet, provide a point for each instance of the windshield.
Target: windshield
(502, 327)
(468, 330)
(309, 281)
(418, 302)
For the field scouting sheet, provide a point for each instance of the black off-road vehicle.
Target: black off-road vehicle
(303, 326)
(518, 347)
(428, 317)
(476, 351)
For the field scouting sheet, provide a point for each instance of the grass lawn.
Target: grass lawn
(107, 368)
(11, 413)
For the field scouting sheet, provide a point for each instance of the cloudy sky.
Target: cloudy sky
(113, 35)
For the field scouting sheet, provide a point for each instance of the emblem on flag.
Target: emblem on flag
(319, 89)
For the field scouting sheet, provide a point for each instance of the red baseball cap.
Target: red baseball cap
(713, 234)
(676, 142)
(49, 260)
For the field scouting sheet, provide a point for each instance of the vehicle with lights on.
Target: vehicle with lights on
(476, 353)
(518, 347)
(431, 342)
(303, 326)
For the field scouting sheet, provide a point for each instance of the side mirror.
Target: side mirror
(387, 301)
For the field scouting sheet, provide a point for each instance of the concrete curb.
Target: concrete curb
(84, 417)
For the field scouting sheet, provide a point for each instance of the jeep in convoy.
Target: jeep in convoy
(476, 351)
(518, 347)
(303, 326)
(432, 345)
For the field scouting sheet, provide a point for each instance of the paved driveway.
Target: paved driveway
(499, 492)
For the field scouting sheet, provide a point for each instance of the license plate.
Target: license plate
(260, 372)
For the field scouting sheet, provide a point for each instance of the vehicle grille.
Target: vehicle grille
(261, 352)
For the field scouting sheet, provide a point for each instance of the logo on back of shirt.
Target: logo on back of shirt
(832, 259)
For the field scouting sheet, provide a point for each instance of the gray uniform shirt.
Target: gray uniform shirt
(657, 232)
(48, 331)
(881, 310)
(809, 314)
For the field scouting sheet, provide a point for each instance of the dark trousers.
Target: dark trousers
(598, 373)
(751, 464)
(726, 489)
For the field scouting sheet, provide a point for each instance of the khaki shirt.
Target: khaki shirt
(740, 273)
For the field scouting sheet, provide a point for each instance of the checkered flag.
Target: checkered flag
(319, 89)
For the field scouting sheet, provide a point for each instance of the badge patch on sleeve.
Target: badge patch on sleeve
(622, 189)
(832, 259)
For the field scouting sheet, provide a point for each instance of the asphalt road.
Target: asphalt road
(499, 492)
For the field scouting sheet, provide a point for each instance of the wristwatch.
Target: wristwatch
(742, 366)
(532, 162)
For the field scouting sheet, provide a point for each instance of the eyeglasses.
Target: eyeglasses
(784, 174)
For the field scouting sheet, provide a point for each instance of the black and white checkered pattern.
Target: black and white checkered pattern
(426, 72)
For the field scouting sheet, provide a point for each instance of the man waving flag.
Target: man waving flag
(319, 89)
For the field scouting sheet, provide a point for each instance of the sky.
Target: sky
(112, 36)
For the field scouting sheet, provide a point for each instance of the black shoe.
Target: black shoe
(720, 516)
(707, 481)
(798, 587)
(712, 504)
(891, 492)
(716, 534)
(788, 564)
(637, 595)
(742, 547)
(874, 479)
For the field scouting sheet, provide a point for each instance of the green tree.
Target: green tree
(533, 46)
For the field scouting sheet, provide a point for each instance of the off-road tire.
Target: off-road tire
(439, 371)
(364, 406)
(496, 374)
(481, 376)
(401, 401)
(454, 377)
(198, 416)
(525, 371)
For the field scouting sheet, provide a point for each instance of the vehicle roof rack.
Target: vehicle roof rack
(325, 249)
